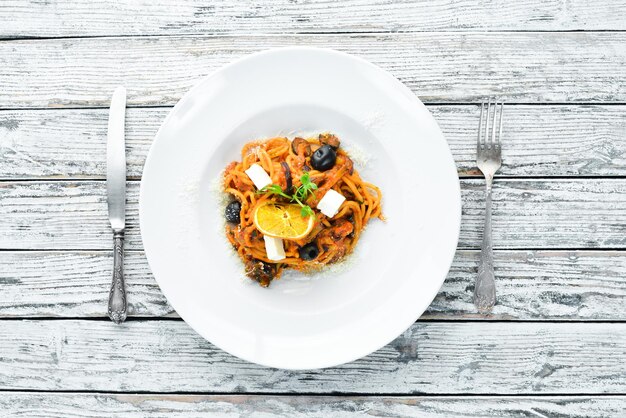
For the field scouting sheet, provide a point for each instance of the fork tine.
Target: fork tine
(492, 139)
(480, 124)
(485, 143)
(499, 144)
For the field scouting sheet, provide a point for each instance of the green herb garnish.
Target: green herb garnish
(275, 189)
(306, 210)
(307, 187)
(302, 192)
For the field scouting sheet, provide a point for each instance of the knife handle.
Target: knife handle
(117, 296)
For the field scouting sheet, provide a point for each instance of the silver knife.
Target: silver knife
(116, 200)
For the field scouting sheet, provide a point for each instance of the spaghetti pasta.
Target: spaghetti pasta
(287, 162)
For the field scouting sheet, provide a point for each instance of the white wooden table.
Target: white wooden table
(556, 343)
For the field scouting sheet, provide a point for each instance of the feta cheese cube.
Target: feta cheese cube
(330, 203)
(258, 176)
(274, 248)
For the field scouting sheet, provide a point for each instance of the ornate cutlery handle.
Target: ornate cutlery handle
(117, 296)
(485, 290)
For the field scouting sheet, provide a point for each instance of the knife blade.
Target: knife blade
(116, 161)
(116, 201)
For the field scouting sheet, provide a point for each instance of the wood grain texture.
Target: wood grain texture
(539, 140)
(62, 215)
(83, 405)
(182, 42)
(536, 285)
(429, 358)
(101, 18)
(527, 214)
(74, 284)
(547, 213)
(563, 285)
(438, 67)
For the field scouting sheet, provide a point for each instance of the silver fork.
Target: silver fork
(489, 160)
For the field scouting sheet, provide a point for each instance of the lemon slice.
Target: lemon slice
(282, 221)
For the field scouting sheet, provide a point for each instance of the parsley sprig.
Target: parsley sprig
(303, 191)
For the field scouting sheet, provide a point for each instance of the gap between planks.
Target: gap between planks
(479, 318)
(316, 394)
(298, 33)
(426, 103)
(137, 179)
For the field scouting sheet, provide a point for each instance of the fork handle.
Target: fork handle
(117, 296)
(485, 290)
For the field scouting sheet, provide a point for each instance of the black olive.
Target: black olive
(309, 252)
(232, 212)
(324, 158)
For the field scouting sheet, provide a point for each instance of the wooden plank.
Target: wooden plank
(70, 143)
(429, 358)
(539, 140)
(63, 215)
(536, 285)
(528, 214)
(547, 213)
(564, 285)
(74, 284)
(63, 405)
(193, 17)
(438, 67)
(543, 140)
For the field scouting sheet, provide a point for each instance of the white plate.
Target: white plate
(301, 322)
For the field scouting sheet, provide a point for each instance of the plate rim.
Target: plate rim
(192, 322)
